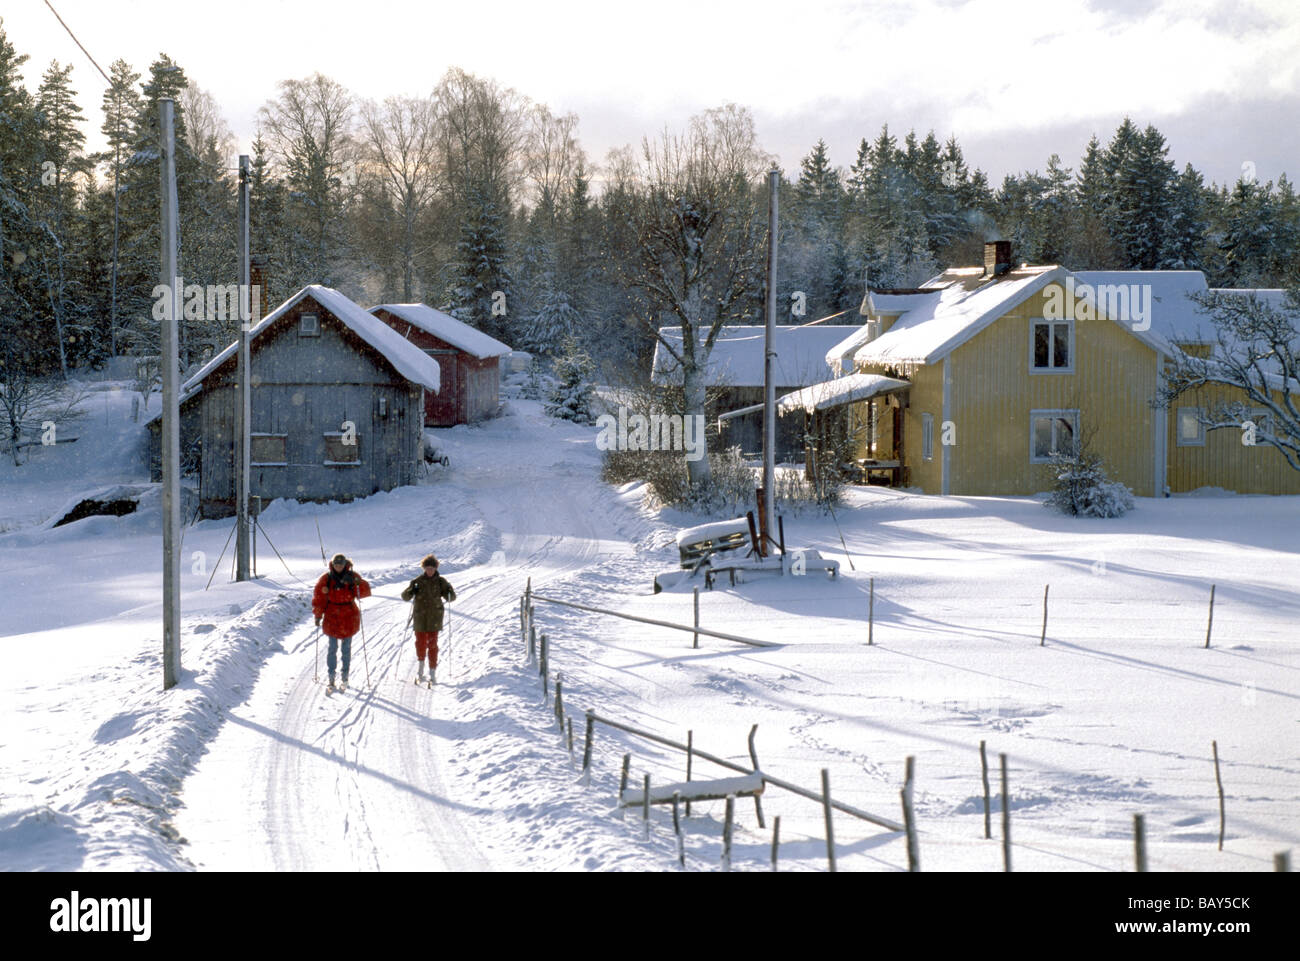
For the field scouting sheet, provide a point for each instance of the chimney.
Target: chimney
(258, 274)
(997, 257)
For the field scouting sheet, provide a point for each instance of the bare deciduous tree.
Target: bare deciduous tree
(1256, 356)
(700, 240)
(401, 147)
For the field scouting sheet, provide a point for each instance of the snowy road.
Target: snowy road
(302, 780)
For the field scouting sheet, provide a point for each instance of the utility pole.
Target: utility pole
(171, 427)
(243, 416)
(768, 507)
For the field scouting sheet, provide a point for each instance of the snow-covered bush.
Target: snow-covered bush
(570, 398)
(1082, 487)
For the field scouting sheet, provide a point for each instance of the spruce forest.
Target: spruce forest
(481, 202)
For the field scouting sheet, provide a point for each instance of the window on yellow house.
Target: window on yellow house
(1191, 432)
(1052, 432)
(1052, 346)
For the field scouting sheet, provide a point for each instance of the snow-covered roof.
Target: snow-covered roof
(964, 307)
(1174, 315)
(447, 328)
(737, 356)
(407, 359)
(968, 302)
(842, 390)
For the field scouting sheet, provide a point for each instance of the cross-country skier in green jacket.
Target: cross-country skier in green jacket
(429, 592)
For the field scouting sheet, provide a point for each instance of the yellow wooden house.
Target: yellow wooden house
(969, 383)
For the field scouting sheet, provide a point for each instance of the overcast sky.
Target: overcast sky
(1013, 81)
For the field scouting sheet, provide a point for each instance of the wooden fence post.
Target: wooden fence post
(1042, 641)
(645, 806)
(1210, 624)
(586, 750)
(909, 821)
(622, 781)
(1006, 817)
(826, 807)
(696, 642)
(532, 643)
(753, 756)
(871, 613)
(776, 839)
(1282, 861)
(726, 832)
(677, 829)
(984, 773)
(1140, 843)
(1214, 745)
(559, 700)
(568, 721)
(690, 753)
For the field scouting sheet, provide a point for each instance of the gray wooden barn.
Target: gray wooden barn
(337, 407)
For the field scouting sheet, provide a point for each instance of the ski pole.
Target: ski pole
(362, 621)
(315, 676)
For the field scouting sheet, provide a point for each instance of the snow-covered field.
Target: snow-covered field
(249, 765)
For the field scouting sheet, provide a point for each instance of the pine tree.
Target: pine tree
(570, 398)
(61, 141)
(1185, 238)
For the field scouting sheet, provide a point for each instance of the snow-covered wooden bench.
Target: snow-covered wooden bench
(695, 544)
(746, 785)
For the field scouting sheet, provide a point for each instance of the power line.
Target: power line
(78, 42)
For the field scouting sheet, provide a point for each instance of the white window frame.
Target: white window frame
(252, 435)
(1055, 415)
(308, 330)
(1199, 439)
(1051, 341)
(927, 437)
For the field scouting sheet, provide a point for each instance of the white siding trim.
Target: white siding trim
(945, 450)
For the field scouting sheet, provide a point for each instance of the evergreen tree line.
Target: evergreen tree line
(480, 202)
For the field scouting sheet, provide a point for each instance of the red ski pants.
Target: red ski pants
(427, 640)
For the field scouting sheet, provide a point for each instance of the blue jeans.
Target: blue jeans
(330, 659)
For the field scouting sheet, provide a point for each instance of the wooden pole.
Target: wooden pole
(171, 437)
(776, 839)
(1006, 817)
(871, 613)
(1282, 861)
(1214, 745)
(1140, 843)
(532, 643)
(830, 828)
(690, 755)
(559, 700)
(984, 774)
(1210, 624)
(727, 825)
(909, 820)
(243, 403)
(586, 750)
(769, 355)
(696, 642)
(677, 830)
(568, 723)
(645, 805)
(622, 781)
(753, 756)
(1042, 641)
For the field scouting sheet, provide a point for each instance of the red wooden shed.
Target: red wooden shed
(469, 360)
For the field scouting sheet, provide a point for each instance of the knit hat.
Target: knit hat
(429, 561)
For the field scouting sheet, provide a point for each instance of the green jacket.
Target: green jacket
(429, 594)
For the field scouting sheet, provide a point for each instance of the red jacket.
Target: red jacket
(336, 598)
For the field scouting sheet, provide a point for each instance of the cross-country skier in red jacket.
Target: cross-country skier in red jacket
(338, 613)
